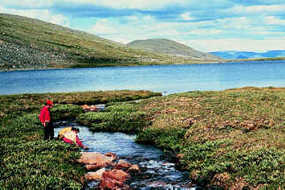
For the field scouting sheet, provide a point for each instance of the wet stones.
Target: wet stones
(122, 164)
(111, 174)
(134, 169)
(91, 108)
(114, 179)
(95, 159)
(91, 176)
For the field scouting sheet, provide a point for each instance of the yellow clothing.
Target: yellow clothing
(63, 131)
(71, 135)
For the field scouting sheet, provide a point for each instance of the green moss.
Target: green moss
(122, 118)
(65, 112)
(44, 45)
(235, 136)
(29, 162)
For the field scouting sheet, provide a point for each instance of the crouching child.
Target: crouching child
(70, 135)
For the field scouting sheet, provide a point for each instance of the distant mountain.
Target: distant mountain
(170, 47)
(249, 55)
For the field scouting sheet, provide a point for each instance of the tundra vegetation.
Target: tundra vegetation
(29, 162)
(230, 139)
(27, 43)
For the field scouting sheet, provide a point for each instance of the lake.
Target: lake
(160, 78)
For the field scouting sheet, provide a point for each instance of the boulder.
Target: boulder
(96, 159)
(134, 168)
(89, 108)
(122, 164)
(114, 179)
(91, 176)
(98, 165)
(112, 155)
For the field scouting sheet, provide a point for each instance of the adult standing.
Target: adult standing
(46, 120)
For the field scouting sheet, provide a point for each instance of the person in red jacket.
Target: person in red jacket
(46, 120)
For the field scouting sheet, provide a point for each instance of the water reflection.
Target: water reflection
(157, 172)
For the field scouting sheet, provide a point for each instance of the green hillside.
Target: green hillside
(172, 48)
(31, 43)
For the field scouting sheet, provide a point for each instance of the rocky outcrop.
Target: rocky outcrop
(105, 169)
(134, 169)
(19, 56)
(114, 179)
(122, 164)
(88, 108)
(95, 160)
(91, 176)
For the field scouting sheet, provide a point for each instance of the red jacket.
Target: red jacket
(44, 115)
(78, 142)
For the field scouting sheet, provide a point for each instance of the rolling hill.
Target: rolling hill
(31, 43)
(171, 48)
(27, 43)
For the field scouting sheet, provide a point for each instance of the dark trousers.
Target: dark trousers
(49, 131)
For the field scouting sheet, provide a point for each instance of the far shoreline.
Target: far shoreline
(266, 60)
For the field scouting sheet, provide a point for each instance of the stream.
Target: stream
(156, 171)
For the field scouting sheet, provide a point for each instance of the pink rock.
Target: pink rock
(112, 155)
(95, 158)
(122, 164)
(90, 176)
(114, 179)
(134, 168)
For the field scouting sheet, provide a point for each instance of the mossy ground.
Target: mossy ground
(225, 139)
(231, 139)
(27, 43)
(228, 138)
(29, 162)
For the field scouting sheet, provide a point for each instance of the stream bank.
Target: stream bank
(156, 172)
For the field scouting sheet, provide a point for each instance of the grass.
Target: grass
(227, 138)
(12, 105)
(232, 139)
(116, 118)
(31, 43)
(29, 162)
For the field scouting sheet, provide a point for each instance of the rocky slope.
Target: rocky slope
(31, 43)
(170, 47)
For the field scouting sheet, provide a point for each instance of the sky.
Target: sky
(205, 25)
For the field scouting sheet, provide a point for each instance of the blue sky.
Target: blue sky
(206, 25)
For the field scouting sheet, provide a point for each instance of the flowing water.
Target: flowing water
(157, 172)
(160, 78)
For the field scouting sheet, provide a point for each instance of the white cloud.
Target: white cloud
(272, 20)
(120, 4)
(262, 9)
(27, 3)
(204, 36)
(237, 44)
(186, 16)
(205, 32)
(129, 4)
(138, 27)
(256, 22)
(42, 14)
(103, 27)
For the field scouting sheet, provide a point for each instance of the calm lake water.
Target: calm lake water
(166, 78)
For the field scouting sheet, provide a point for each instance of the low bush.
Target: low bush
(117, 118)
(28, 162)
